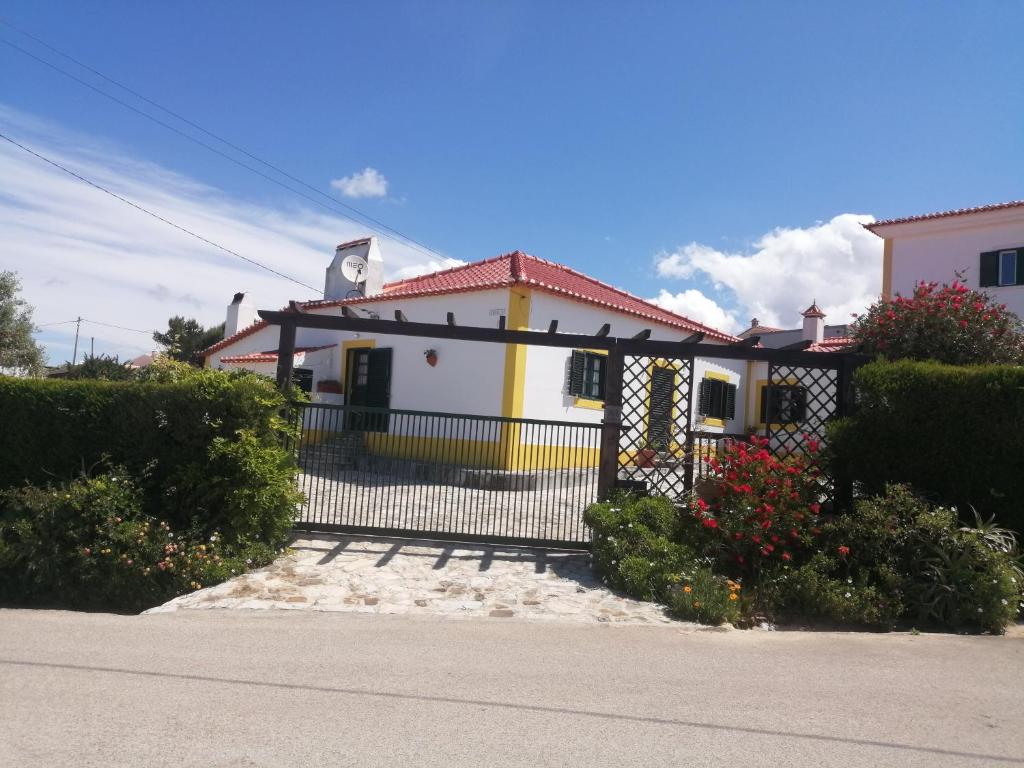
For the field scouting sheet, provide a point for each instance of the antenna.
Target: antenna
(353, 268)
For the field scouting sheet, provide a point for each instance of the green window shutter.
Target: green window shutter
(600, 376)
(730, 401)
(1020, 266)
(576, 369)
(799, 404)
(704, 402)
(989, 272)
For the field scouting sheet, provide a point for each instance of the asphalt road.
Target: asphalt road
(308, 689)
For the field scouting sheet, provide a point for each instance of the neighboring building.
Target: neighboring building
(143, 361)
(776, 338)
(983, 246)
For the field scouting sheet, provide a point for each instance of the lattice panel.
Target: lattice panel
(656, 411)
(819, 401)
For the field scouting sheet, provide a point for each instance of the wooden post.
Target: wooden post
(286, 354)
(611, 424)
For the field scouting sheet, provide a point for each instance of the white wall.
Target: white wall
(937, 249)
(468, 375)
(547, 394)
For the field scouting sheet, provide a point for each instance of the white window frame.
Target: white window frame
(1012, 270)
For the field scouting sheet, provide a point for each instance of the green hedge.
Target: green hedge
(206, 448)
(954, 433)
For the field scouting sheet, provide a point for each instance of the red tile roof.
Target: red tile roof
(944, 214)
(510, 269)
(269, 356)
(833, 344)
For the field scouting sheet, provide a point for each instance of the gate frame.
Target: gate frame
(845, 363)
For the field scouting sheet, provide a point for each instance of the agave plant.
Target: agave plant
(999, 539)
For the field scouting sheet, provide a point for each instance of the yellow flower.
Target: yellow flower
(732, 596)
(687, 589)
(696, 603)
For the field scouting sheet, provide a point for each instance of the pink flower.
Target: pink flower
(844, 550)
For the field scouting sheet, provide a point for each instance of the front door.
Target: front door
(369, 384)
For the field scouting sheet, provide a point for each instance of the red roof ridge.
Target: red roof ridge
(358, 241)
(945, 214)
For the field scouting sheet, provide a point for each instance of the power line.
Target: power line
(120, 327)
(156, 216)
(380, 226)
(62, 322)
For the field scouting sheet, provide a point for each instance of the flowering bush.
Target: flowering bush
(700, 594)
(895, 557)
(765, 509)
(88, 544)
(948, 323)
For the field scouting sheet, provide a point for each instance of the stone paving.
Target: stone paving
(379, 575)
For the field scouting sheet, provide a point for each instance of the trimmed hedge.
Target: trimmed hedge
(954, 433)
(206, 448)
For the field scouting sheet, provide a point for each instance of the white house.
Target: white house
(983, 245)
(487, 379)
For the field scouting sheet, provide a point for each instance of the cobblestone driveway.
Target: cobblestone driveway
(378, 575)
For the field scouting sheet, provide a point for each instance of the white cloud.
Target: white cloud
(368, 182)
(838, 263)
(695, 305)
(81, 252)
(412, 270)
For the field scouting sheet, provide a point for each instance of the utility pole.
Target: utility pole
(92, 346)
(78, 326)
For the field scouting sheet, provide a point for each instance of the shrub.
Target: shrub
(634, 547)
(949, 323)
(205, 445)
(955, 433)
(704, 596)
(765, 509)
(88, 544)
(897, 557)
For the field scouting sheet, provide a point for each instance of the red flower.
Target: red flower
(787, 556)
(702, 504)
(844, 550)
(709, 522)
(738, 535)
(815, 508)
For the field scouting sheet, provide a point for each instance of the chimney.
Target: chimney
(363, 275)
(814, 323)
(241, 314)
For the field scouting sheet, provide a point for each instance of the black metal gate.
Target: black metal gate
(447, 476)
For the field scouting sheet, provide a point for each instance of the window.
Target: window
(783, 404)
(1004, 267)
(717, 399)
(303, 378)
(586, 375)
(1008, 268)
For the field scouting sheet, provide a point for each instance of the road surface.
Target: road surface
(245, 689)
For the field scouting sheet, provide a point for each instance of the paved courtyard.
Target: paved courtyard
(399, 576)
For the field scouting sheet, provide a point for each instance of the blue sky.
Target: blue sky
(657, 146)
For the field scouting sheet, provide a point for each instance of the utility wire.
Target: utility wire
(148, 212)
(46, 325)
(380, 226)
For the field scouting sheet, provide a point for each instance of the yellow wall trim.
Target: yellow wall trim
(887, 269)
(345, 347)
(586, 402)
(715, 376)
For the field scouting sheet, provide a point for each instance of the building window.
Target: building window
(783, 404)
(1008, 268)
(717, 399)
(303, 378)
(586, 375)
(1004, 267)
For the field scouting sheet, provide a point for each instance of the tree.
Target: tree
(101, 367)
(947, 323)
(186, 338)
(18, 350)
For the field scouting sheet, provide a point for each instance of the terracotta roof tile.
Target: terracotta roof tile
(269, 356)
(515, 268)
(944, 214)
(833, 344)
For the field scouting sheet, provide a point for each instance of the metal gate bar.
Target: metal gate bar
(444, 475)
